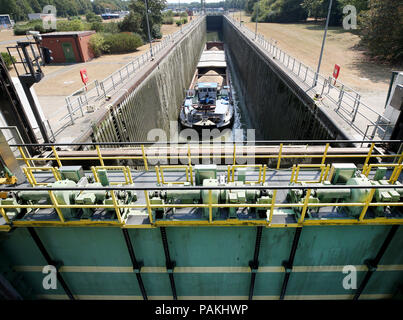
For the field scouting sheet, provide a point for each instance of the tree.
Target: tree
(281, 11)
(314, 8)
(249, 5)
(92, 17)
(382, 29)
(131, 23)
(136, 21)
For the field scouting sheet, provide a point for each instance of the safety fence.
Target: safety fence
(262, 170)
(274, 153)
(79, 101)
(145, 153)
(348, 103)
(122, 213)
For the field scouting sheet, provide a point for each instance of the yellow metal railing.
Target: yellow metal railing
(126, 172)
(188, 153)
(268, 222)
(29, 173)
(159, 170)
(262, 172)
(397, 170)
(324, 172)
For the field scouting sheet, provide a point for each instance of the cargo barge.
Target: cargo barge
(208, 102)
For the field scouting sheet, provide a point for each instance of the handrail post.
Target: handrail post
(325, 153)
(369, 155)
(56, 205)
(116, 206)
(59, 163)
(367, 203)
(305, 207)
(4, 214)
(210, 209)
(144, 157)
(273, 202)
(279, 156)
(100, 155)
(24, 156)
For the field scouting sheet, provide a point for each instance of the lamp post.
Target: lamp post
(323, 43)
(257, 14)
(240, 13)
(148, 28)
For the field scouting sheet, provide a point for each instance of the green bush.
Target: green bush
(168, 20)
(183, 15)
(34, 25)
(111, 27)
(97, 26)
(122, 42)
(282, 11)
(73, 25)
(178, 22)
(156, 31)
(8, 59)
(381, 31)
(168, 13)
(184, 20)
(98, 45)
(92, 17)
(74, 18)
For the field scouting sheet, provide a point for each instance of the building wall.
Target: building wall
(80, 47)
(86, 51)
(55, 44)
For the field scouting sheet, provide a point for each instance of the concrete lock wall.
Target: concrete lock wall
(275, 105)
(211, 262)
(157, 100)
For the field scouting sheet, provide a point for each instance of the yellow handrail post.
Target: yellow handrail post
(158, 175)
(369, 155)
(292, 173)
(27, 174)
(326, 173)
(129, 173)
(144, 157)
(210, 208)
(264, 173)
(116, 206)
(150, 213)
(4, 214)
(234, 156)
(59, 163)
(279, 156)
(395, 175)
(273, 202)
(56, 205)
(95, 174)
(189, 156)
(191, 174)
(24, 156)
(305, 207)
(100, 155)
(367, 203)
(401, 157)
(325, 153)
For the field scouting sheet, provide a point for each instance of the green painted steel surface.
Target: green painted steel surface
(220, 254)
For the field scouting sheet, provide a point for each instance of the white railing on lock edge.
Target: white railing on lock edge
(80, 99)
(348, 102)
